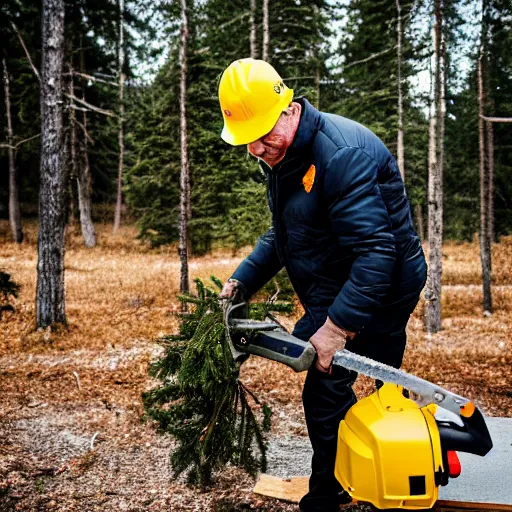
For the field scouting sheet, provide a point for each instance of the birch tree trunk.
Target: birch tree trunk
(50, 295)
(485, 246)
(184, 175)
(435, 173)
(266, 32)
(119, 201)
(14, 203)
(400, 141)
(254, 43)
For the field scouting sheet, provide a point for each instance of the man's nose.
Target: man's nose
(256, 148)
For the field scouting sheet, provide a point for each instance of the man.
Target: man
(342, 228)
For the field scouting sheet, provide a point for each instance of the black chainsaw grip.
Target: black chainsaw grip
(473, 438)
(278, 346)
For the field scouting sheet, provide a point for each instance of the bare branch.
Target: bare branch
(84, 129)
(95, 79)
(18, 144)
(497, 119)
(99, 110)
(93, 438)
(234, 20)
(371, 57)
(288, 78)
(104, 75)
(79, 386)
(36, 72)
(81, 109)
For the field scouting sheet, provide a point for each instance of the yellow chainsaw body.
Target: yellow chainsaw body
(389, 451)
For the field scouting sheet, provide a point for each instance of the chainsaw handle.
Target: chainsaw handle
(278, 346)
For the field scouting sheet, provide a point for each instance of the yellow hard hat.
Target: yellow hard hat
(252, 96)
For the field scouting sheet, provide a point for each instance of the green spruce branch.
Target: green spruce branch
(200, 400)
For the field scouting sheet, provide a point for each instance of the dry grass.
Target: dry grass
(117, 292)
(461, 263)
(59, 388)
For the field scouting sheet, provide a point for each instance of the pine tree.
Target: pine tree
(485, 174)
(223, 178)
(120, 138)
(185, 167)
(14, 203)
(50, 298)
(370, 90)
(500, 88)
(19, 104)
(369, 68)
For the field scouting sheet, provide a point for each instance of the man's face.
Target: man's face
(272, 147)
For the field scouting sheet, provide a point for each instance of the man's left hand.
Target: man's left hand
(327, 340)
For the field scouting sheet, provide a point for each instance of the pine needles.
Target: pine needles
(200, 401)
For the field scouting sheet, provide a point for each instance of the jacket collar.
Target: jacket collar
(301, 145)
(308, 127)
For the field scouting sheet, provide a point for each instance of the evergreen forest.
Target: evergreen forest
(341, 55)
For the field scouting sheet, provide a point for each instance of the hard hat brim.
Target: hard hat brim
(244, 132)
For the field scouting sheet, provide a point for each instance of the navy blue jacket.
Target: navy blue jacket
(348, 244)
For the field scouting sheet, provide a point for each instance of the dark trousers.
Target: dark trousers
(327, 398)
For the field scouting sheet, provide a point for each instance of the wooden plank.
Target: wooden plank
(467, 506)
(286, 489)
(292, 489)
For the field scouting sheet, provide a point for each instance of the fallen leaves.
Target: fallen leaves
(120, 297)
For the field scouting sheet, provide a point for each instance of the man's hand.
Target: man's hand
(229, 289)
(327, 340)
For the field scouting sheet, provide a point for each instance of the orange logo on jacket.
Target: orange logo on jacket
(309, 179)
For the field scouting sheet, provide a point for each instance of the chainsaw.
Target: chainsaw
(396, 446)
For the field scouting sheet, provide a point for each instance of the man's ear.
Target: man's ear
(295, 108)
(292, 109)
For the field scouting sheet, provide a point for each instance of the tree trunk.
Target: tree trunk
(119, 201)
(490, 204)
(84, 192)
(485, 255)
(266, 32)
(84, 177)
(184, 175)
(419, 222)
(435, 172)
(50, 295)
(400, 141)
(318, 79)
(14, 203)
(73, 200)
(254, 43)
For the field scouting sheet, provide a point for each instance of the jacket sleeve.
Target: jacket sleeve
(360, 221)
(261, 265)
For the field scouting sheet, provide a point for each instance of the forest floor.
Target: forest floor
(62, 393)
